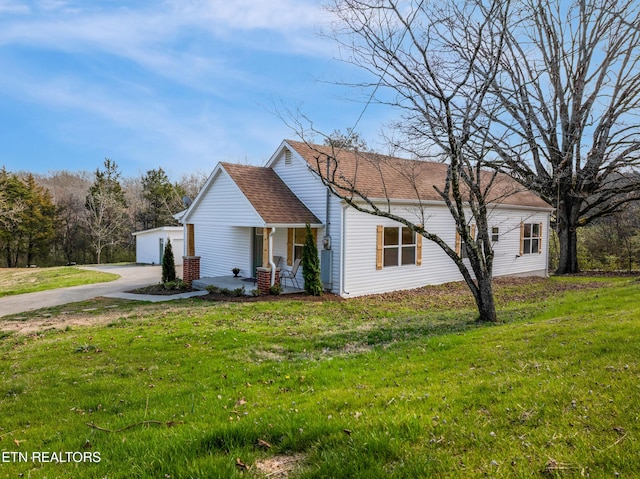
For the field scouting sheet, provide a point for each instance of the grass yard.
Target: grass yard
(29, 280)
(394, 386)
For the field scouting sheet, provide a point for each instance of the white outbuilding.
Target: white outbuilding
(150, 244)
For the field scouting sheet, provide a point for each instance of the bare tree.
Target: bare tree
(193, 182)
(566, 104)
(107, 217)
(350, 140)
(9, 212)
(407, 47)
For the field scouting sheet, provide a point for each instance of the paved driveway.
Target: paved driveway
(131, 277)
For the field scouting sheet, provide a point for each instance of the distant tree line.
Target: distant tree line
(80, 217)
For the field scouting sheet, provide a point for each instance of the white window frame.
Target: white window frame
(495, 234)
(531, 238)
(399, 247)
(298, 247)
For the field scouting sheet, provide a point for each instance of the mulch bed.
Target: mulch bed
(160, 290)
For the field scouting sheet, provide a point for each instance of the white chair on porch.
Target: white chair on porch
(291, 274)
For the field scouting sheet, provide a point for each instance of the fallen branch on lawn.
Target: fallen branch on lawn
(142, 423)
(612, 445)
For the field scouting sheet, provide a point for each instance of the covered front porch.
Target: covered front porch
(260, 257)
(260, 238)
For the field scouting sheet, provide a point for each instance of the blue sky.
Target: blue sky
(180, 84)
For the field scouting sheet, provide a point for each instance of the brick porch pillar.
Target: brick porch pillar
(264, 279)
(190, 269)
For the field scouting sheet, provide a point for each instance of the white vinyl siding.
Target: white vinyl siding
(364, 272)
(507, 258)
(361, 276)
(223, 236)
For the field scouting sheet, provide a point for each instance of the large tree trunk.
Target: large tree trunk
(568, 262)
(567, 215)
(483, 295)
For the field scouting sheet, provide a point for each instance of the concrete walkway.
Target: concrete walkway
(131, 277)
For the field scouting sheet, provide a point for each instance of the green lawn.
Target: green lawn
(29, 280)
(395, 386)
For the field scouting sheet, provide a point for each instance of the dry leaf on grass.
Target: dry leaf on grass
(263, 444)
(241, 465)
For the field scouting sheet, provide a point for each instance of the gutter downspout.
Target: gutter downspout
(548, 235)
(343, 247)
(271, 263)
(327, 218)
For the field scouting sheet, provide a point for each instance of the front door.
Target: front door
(258, 239)
(161, 255)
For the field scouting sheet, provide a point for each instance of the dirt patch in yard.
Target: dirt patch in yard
(279, 467)
(36, 325)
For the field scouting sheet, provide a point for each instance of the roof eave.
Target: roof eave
(440, 203)
(293, 225)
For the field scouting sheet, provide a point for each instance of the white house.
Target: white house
(248, 216)
(150, 244)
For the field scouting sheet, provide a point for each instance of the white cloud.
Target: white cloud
(245, 15)
(13, 7)
(53, 5)
(185, 42)
(120, 30)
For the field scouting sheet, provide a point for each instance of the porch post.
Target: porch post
(265, 247)
(268, 275)
(190, 262)
(191, 240)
